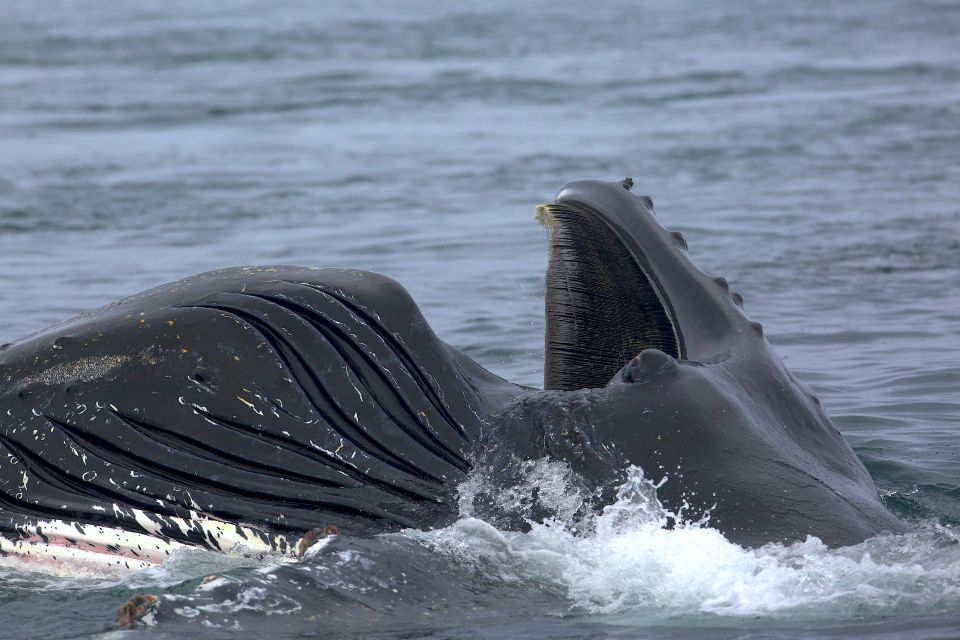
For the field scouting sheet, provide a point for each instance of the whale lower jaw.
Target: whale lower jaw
(72, 548)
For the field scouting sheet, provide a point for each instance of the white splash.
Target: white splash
(631, 564)
(548, 483)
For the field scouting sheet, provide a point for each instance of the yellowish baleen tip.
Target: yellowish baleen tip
(544, 215)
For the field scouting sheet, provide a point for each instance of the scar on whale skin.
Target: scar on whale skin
(84, 369)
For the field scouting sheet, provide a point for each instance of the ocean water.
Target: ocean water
(810, 152)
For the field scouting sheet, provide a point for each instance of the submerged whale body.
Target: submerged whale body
(250, 405)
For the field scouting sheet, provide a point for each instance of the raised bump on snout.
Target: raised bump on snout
(679, 240)
(650, 363)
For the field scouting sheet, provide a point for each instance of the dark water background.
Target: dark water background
(810, 152)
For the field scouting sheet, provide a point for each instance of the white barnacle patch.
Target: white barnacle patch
(82, 370)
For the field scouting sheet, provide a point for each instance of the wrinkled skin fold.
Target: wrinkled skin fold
(285, 399)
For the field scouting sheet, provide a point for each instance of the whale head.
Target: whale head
(680, 381)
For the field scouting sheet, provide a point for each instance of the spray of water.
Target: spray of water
(628, 562)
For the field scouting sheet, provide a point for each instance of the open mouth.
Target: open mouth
(603, 306)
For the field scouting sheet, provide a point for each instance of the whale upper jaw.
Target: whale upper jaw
(707, 318)
(619, 283)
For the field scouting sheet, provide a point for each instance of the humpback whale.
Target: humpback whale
(246, 406)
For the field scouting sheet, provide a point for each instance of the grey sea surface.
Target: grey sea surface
(810, 152)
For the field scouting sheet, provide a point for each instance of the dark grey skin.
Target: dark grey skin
(291, 399)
